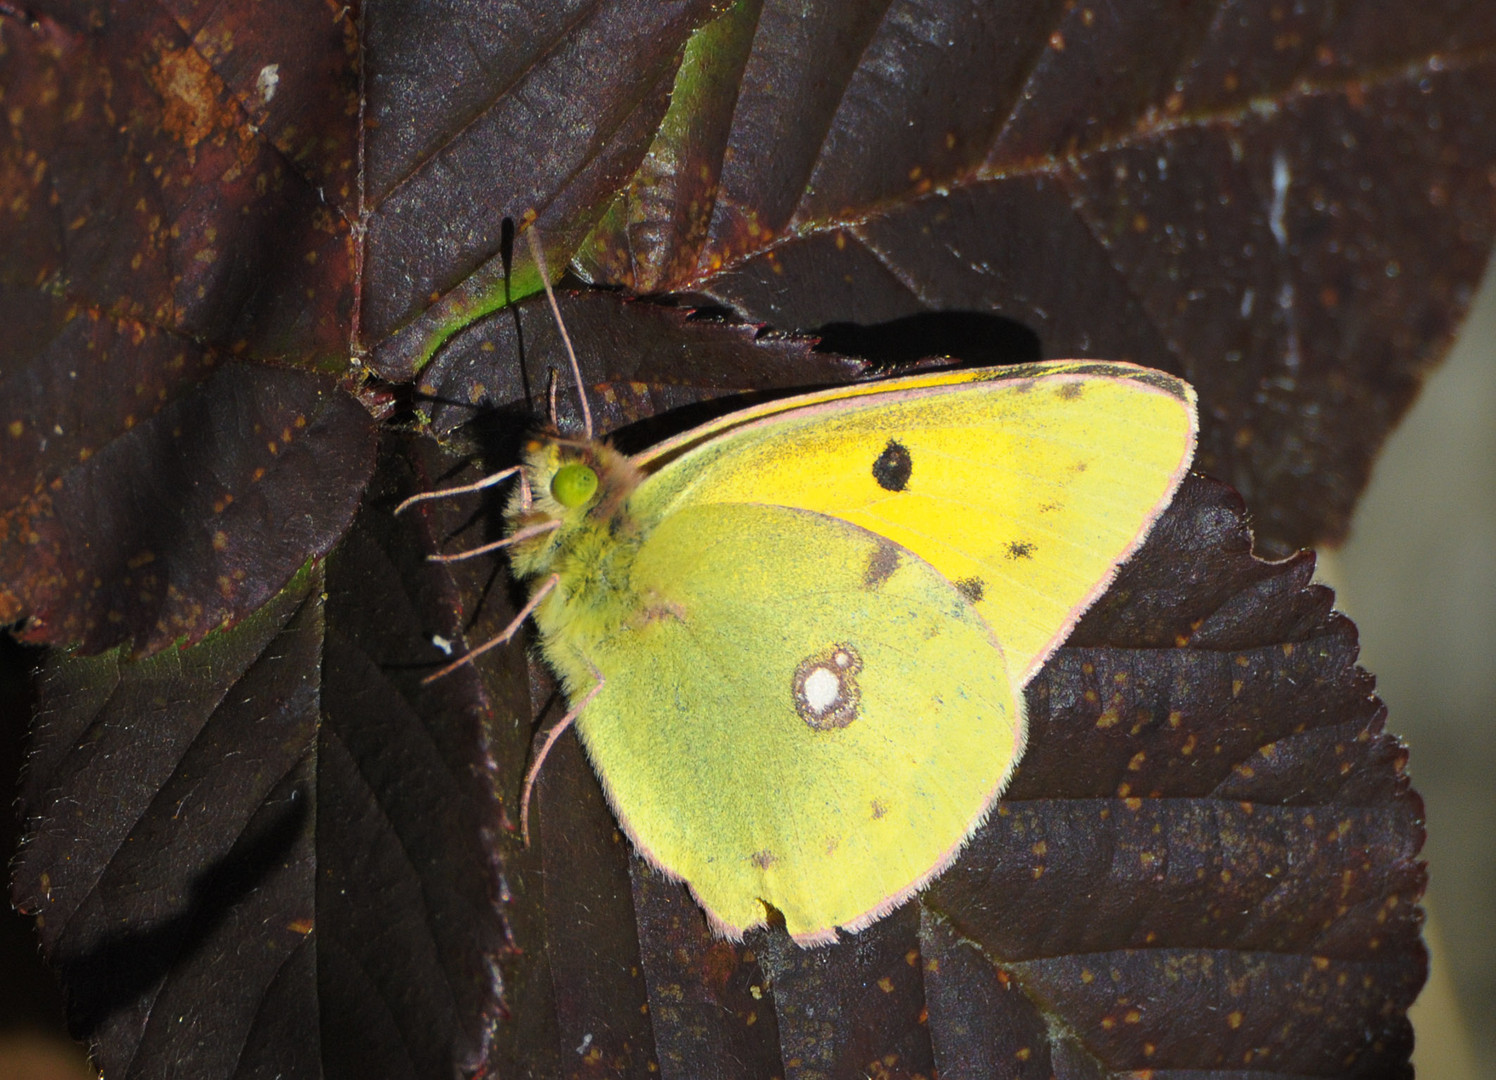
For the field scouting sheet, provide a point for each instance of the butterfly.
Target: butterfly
(794, 639)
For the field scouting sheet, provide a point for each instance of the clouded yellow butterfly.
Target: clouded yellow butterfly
(794, 639)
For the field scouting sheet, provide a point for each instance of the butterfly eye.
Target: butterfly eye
(573, 484)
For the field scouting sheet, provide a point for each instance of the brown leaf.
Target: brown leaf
(1289, 209)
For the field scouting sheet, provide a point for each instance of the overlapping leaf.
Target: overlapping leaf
(533, 112)
(637, 359)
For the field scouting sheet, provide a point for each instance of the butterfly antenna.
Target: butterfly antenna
(550, 294)
(551, 415)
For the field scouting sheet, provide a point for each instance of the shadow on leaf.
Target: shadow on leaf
(117, 969)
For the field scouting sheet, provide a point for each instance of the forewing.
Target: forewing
(1026, 487)
(801, 713)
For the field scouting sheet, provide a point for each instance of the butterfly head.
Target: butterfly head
(581, 484)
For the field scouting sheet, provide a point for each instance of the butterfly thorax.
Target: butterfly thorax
(591, 552)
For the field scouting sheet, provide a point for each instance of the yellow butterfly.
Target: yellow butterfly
(794, 639)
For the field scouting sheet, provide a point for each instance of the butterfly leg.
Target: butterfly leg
(505, 635)
(553, 733)
(514, 538)
(487, 482)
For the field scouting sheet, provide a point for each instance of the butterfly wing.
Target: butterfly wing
(1024, 486)
(799, 712)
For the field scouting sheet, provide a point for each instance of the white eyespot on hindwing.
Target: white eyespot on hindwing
(825, 688)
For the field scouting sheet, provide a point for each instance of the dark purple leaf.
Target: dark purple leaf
(1289, 208)
(171, 858)
(190, 519)
(410, 881)
(1208, 858)
(151, 232)
(244, 853)
(535, 112)
(638, 360)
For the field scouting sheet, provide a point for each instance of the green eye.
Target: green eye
(573, 484)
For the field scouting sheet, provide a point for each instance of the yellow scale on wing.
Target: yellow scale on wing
(1024, 486)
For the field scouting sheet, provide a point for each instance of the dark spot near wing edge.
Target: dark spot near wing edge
(880, 566)
(971, 588)
(893, 467)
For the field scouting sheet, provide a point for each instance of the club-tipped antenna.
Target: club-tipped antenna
(576, 369)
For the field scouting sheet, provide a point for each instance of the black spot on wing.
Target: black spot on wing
(893, 467)
(1020, 549)
(880, 566)
(971, 588)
